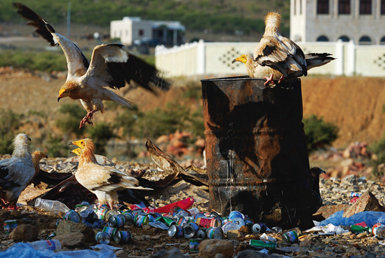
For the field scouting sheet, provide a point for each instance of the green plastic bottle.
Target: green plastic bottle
(262, 244)
(358, 229)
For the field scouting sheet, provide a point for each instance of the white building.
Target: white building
(132, 30)
(361, 21)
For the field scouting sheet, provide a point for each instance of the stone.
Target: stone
(367, 202)
(66, 226)
(25, 233)
(326, 211)
(72, 240)
(210, 247)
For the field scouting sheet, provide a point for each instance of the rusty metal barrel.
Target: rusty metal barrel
(256, 154)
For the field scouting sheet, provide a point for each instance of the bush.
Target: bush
(378, 148)
(318, 133)
(70, 119)
(56, 146)
(42, 61)
(9, 123)
(100, 133)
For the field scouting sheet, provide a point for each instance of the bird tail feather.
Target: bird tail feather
(317, 59)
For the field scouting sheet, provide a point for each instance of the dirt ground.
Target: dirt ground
(354, 104)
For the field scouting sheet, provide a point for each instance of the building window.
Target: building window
(382, 6)
(344, 7)
(365, 40)
(382, 41)
(322, 38)
(365, 6)
(344, 38)
(323, 7)
(141, 33)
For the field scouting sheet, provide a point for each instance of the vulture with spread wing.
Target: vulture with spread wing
(111, 66)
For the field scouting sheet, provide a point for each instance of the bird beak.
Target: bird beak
(239, 59)
(77, 151)
(61, 93)
(76, 143)
(29, 139)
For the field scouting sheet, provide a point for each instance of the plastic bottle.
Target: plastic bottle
(46, 244)
(55, 207)
(260, 244)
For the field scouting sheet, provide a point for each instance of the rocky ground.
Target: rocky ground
(335, 190)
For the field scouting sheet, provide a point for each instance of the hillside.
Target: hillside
(225, 16)
(355, 105)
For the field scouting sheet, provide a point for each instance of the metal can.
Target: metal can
(201, 234)
(258, 228)
(215, 233)
(141, 220)
(194, 245)
(153, 216)
(102, 238)
(128, 215)
(208, 222)
(122, 237)
(290, 236)
(101, 212)
(117, 221)
(110, 231)
(181, 221)
(111, 213)
(179, 212)
(168, 221)
(9, 225)
(190, 230)
(175, 231)
(72, 215)
(236, 214)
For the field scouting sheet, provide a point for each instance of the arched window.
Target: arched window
(322, 6)
(322, 38)
(365, 6)
(344, 38)
(365, 40)
(382, 6)
(382, 41)
(344, 7)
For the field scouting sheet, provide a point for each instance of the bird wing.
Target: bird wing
(101, 178)
(276, 54)
(77, 63)
(15, 174)
(114, 65)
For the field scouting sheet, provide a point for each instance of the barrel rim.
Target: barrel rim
(232, 78)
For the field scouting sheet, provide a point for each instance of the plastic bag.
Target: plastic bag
(369, 217)
(26, 250)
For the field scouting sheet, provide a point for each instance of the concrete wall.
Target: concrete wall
(309, 25)
(201, 58)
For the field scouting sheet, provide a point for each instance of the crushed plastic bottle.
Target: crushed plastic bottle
(53, 206)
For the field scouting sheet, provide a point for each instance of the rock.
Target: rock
(65, 227)
(367, 202)
(173, 253)
(72, 240)
(326, 211)
(210, 247)
(25, 233)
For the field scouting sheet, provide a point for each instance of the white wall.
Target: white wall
(216, 58)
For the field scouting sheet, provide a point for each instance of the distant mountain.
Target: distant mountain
(217, 16)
